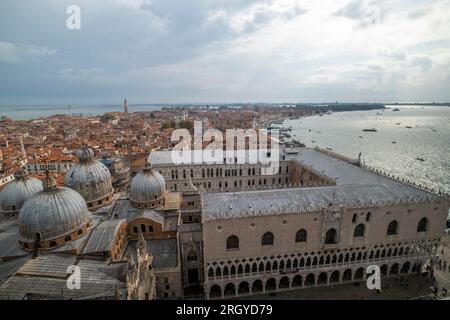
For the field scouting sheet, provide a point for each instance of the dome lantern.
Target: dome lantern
(85, 154)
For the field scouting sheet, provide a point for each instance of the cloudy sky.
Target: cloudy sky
(154, 51)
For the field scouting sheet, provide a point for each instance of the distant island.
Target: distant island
(339, 107)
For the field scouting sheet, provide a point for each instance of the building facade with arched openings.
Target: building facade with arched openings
(276, 240)
(240, 255)
(318, 220)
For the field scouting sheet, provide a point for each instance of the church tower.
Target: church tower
(125, 106)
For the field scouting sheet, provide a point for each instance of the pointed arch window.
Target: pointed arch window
(301, 235)
(233, 243)
(267, 239)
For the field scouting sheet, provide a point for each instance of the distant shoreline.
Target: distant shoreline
(37, 112)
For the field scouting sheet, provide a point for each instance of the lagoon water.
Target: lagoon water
(393, 148)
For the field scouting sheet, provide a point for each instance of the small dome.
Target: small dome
(106, 160)
(15, 193)
(147, 188)
(91, 179)
(54, 216)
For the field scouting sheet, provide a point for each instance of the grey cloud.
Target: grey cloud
(11, 52)
(421, 61)
(166, 50)
(363, 13)
(353, 10)
(419, 13)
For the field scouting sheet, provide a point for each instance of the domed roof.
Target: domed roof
(52, 213)
(90, 177)
(15, 193)
(87, 171)
(106, 160)
(148, 185)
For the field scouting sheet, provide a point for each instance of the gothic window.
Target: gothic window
(301, 236)
(359, 230)
(354, 218)
(232, 243)
(368, 216)
(267, 239)
(422, 226)
(392, 228)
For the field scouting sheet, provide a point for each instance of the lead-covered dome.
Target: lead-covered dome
(147, 188)
(52, 217)
(91, 179)
(15, 193)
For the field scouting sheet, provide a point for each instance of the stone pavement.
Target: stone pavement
(392, 289)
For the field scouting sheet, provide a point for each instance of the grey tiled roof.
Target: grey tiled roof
(355, 187)
(102, 237)
(164, 252)
(9, 267)
(97, 279)
(8, 244)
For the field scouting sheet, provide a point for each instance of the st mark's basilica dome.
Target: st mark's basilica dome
(52, 217)
(15, 193)
(91, 179)
(147, 188)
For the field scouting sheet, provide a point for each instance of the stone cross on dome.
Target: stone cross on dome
(21, 174)
(49, 183)
(147, 167)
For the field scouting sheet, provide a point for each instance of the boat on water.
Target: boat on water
(408, 127)
(393, 142)
(370, 130)
(361, 137)
(396, 109)
(420, 159)
(398, 123)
